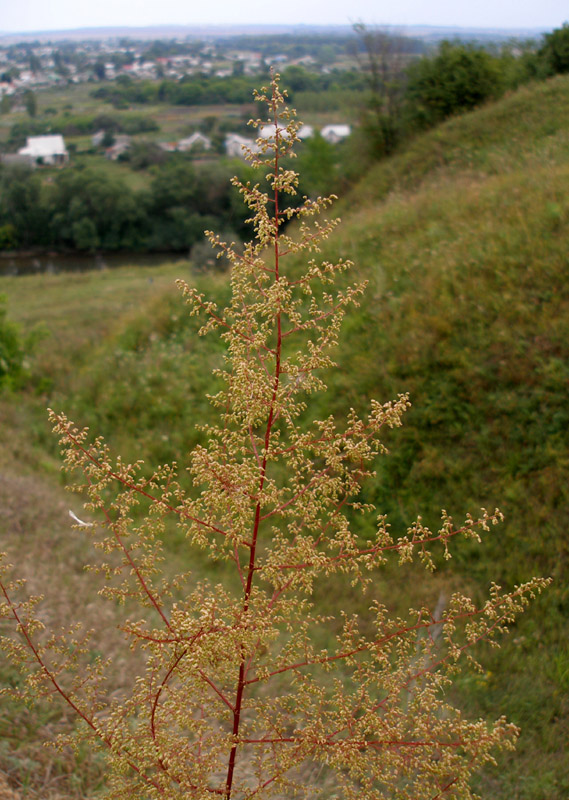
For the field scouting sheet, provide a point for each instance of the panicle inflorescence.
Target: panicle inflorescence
(247, 690)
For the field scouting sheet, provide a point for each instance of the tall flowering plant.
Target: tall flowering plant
(238, 697)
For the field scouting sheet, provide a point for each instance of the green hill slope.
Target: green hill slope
(465, 240)
(526, 129)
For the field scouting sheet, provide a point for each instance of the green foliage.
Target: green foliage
(11, 349)
(92, 209)
(555, 50)
(88, 209)
(80, 125)
(8, 237)
(22, 206)
(142, 155)
(318, 165)
(31, 103)
(458, 78)
(210, 90)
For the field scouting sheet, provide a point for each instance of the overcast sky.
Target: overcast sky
(36, 15)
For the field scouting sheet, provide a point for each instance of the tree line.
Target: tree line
(234, 89)
(409, 95)
(88, 209)
(80, 125)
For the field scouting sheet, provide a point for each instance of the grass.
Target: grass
(524, 130)
(463, 239)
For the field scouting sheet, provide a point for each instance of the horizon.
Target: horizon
(31, 16)
(174, 30)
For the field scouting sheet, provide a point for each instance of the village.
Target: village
(40, 81)
(50, 150)
(37, 65)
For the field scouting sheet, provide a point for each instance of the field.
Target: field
(463, 239)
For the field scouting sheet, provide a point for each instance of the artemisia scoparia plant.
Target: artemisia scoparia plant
(239, 697)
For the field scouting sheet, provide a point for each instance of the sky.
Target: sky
(44, 15)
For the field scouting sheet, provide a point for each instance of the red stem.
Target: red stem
(243, 667)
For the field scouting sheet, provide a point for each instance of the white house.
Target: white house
(305, 132)
(120, 146)
(234, 145)
(268, 132)
(97, 138)
(50, 149)
(335, 133)
(197, 140)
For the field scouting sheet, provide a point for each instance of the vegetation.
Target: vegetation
(398, 94)
(463, 237)
(244, 683)
(458, 78)
(555, 51)
(211, 90)
(11, 349)
(89, 209)
(410, 95)
(79, 125)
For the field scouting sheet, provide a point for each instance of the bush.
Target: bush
(11, 349)
(458, 78)
(555, 50)
(8, 237)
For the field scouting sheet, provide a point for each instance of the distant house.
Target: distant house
(268, 132)
(305, 132)
(234, 145)
(121, 145)
(46, 149)
(196, 140)
(97, 138)
(335, 133)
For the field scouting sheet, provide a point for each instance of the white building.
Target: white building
(269, 131)
(335, 133)
(305, 132)
(196, 140)
(234, 145)
(47, 149)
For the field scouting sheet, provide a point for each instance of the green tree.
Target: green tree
(457, 78)
(23, 205)
(8, 237)
(35, 63)
(382, 57)
(31, 103)
(555, 50)
(247, 688)
(11, 348)
(97, 201)
(99, 70)
(318, 166)
(85, 235)
(5, 104)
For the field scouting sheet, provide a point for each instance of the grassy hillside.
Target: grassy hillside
(464, 240)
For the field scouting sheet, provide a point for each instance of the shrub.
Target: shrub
(248, 689)
(11, 349)
(555, 50)
(458, 78)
